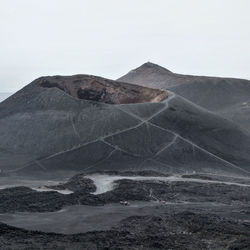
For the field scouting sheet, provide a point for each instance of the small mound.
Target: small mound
(103, 90)
(76, 183)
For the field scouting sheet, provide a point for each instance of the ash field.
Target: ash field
(153, 160)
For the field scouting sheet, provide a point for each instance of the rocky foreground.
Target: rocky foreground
(212, 189)
(184, 230)
(207, 212)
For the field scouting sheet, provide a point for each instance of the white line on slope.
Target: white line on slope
(158, 152)
(147, 121)
(97, 163)
(167, 146)
(119, 149)
(202, 149)
(190, 142)
(74, 128)
(154, 114)
(40, 165)
(112, 134)
(118, 132)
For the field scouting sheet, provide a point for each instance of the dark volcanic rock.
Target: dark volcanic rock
(77, 182)
(175, 223)
(22, 199)
(177, 192)
(184, 230)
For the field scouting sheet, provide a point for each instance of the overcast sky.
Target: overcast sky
(110, 37)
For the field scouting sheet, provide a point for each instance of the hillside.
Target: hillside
(46, 127)
(227, 97)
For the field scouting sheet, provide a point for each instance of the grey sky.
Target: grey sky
(108, 38)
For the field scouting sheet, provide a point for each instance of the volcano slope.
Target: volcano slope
(228, 97)
(163, 213)
(184, 169)
(84, 123)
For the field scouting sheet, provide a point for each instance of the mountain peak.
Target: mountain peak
(147, 74)
(153, 67)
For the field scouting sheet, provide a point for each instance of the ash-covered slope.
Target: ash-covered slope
(226, 96)
(69, 124)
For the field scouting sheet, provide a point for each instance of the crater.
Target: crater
(103, 90)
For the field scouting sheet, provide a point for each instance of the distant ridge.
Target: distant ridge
(151, 67)
(148, 74)
(229, 97)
